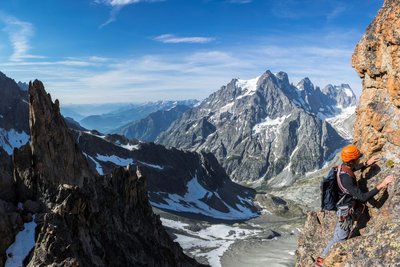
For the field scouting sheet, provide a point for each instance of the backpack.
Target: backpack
(330, 187)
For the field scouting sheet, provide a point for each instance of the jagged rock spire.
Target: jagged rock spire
(59, 160)
(88, 220)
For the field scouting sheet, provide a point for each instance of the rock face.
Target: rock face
(376, 58)
(10, 224)
(7, 190)
(89, 220)
(14, 126)
(263, 128)
(13, 103)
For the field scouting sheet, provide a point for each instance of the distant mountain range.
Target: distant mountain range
(265, 129)
(150, 127)
(127, 114)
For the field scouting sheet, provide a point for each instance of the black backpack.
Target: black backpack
(330, 190)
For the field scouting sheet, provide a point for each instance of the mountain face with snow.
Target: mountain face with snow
(343, 95)
(113, 120)
(326, 103)
(147, 129)
(82, 218)
(14, 127)
(177, 181)
(264, 129)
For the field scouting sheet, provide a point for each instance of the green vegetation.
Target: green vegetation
(390, 163)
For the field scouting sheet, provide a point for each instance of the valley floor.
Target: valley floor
(267, 240)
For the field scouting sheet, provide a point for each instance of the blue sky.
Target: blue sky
(101, 51)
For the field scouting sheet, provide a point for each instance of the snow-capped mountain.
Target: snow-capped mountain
(127, 114)
(342, 94)
(263, 129)
(14, 126)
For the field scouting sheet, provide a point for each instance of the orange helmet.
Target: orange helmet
(349, 153)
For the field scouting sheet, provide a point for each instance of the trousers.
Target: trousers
(338, 235)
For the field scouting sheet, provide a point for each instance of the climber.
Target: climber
(350, 194)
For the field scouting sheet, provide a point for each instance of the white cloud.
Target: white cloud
(20, 33)
(114, 3)
(239, 1)
(172, 39)
(336, 11)
(192, 74)
(294, 9)
(117, 5)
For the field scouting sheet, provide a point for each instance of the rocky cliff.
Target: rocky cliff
(85, 219)
(377, 131)
(14, 127)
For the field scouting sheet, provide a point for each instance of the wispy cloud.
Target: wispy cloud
(192, 74)
(117, 5)
(336, 11)
(172, 39)
(294, 9)
(239, 1)
(20, 33)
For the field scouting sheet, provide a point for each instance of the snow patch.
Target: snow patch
(130, 147)
(191, 202)
(115, 159)
(348, 91)
(269, 123)
(99, 136)
(338, 121)
(152, 165)
(215, 239)
(24, 242)
(249, 86)
(174, 224)
(99, 169)
(12, 139)
(227, 107)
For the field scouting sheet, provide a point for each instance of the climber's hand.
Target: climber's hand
(373, 160)
(346, 224)
(389, 179)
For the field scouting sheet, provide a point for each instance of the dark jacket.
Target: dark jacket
(355, 193)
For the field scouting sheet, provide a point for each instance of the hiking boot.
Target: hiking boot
(319, 262)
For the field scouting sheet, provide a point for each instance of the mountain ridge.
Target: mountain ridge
(238, 124)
